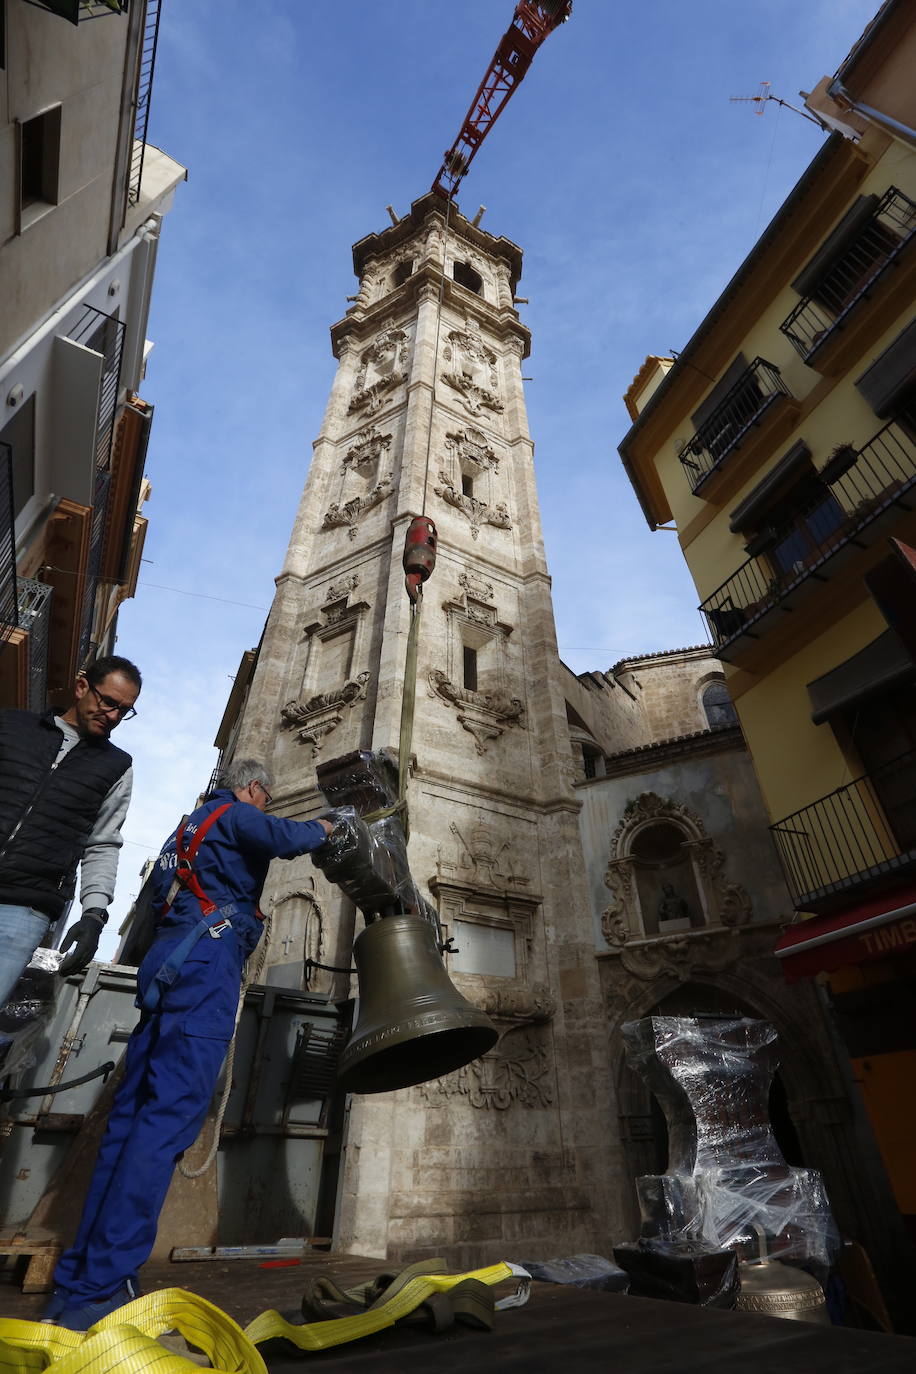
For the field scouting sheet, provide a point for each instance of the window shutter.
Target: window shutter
(892, 376)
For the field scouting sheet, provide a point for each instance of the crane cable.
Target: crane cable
(409, 692)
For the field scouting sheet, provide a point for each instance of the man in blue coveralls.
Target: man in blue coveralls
(208, 880)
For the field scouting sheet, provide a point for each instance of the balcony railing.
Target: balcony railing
(103, 334)
(76, 11)
(35, 616)
(864, 485)
(142, 96)
(722, 432)
(94, 561)
(852, 837)
(873, 251)
(8, 594)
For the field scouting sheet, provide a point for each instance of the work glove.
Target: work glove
(84, 935)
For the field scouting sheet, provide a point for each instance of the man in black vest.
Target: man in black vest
(64, 793)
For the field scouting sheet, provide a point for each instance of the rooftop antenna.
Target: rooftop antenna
(759, 101)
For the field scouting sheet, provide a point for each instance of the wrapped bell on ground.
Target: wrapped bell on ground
(413, 1025)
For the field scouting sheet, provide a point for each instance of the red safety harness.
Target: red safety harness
(187, 853)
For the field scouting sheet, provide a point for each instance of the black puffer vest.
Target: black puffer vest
(54, 808)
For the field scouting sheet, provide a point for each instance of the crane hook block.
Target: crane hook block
(419, 559)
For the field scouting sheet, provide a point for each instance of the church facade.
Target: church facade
(595, 844)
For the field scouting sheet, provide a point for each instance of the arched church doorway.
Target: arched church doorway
(642, 1122)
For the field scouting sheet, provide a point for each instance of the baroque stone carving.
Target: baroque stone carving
(483, 857)
(517, 1075)
(476, 586)
(349, 514)
(534, 1005)
(338, 590)
(684, 956)
(732, 899)
(477, 512)
(471, 371)
(365, 451)
(483, 714)
(319, 715)
(726, 904)
(471, 446)
(382, 367)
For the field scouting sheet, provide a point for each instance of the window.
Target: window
(467, 485)
(718, 705)
(19, 433)
(403, 272)
(883, 730)
(465, 275)
(39, 164)
(469, 669)
(802, 525)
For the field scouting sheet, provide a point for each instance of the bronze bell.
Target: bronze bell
(780, 1290)
(413, 1023)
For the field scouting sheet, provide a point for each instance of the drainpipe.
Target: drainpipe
(838, 92)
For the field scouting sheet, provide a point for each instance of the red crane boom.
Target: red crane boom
(532, 22)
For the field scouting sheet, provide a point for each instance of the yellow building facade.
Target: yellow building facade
(782, 445)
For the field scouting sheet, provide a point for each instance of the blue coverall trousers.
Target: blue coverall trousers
(172, 1063)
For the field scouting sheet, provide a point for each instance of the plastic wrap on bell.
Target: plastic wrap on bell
(790, 1205)
(368, 862)
(712, 1078)
(27, 1010)
(673, 1210)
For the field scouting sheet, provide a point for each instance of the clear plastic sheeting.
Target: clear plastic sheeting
(25, 1014)
(368, 862)
(726, 1173)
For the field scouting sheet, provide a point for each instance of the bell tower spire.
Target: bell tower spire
(427, 416)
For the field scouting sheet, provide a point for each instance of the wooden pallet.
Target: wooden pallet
(42, 1257)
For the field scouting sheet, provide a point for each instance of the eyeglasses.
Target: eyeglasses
(265, 791)
(109, 704)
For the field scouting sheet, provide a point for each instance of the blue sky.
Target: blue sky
(620, 166)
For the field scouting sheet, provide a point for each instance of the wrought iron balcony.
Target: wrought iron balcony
(35, 616)
(874, 250)
(103, 334)
(76, 11)
(743, 405)
(859, 492)
(142, 96)
(94, 561)
(855, 837)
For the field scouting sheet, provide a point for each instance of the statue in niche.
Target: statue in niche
(672, 906)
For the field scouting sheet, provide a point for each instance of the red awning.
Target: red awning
(875, 929)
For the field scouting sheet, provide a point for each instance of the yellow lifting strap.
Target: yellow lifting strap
(126, 1340)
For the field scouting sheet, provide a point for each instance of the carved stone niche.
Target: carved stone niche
(474, 624)
(382, 368)
(476, 512)
(320, 715)
(713, 911)
(470, 368)
(334, 630)
(365, 452)
(348, 514)
(471, 452)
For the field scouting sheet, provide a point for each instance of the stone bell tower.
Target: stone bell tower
(427, 416)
